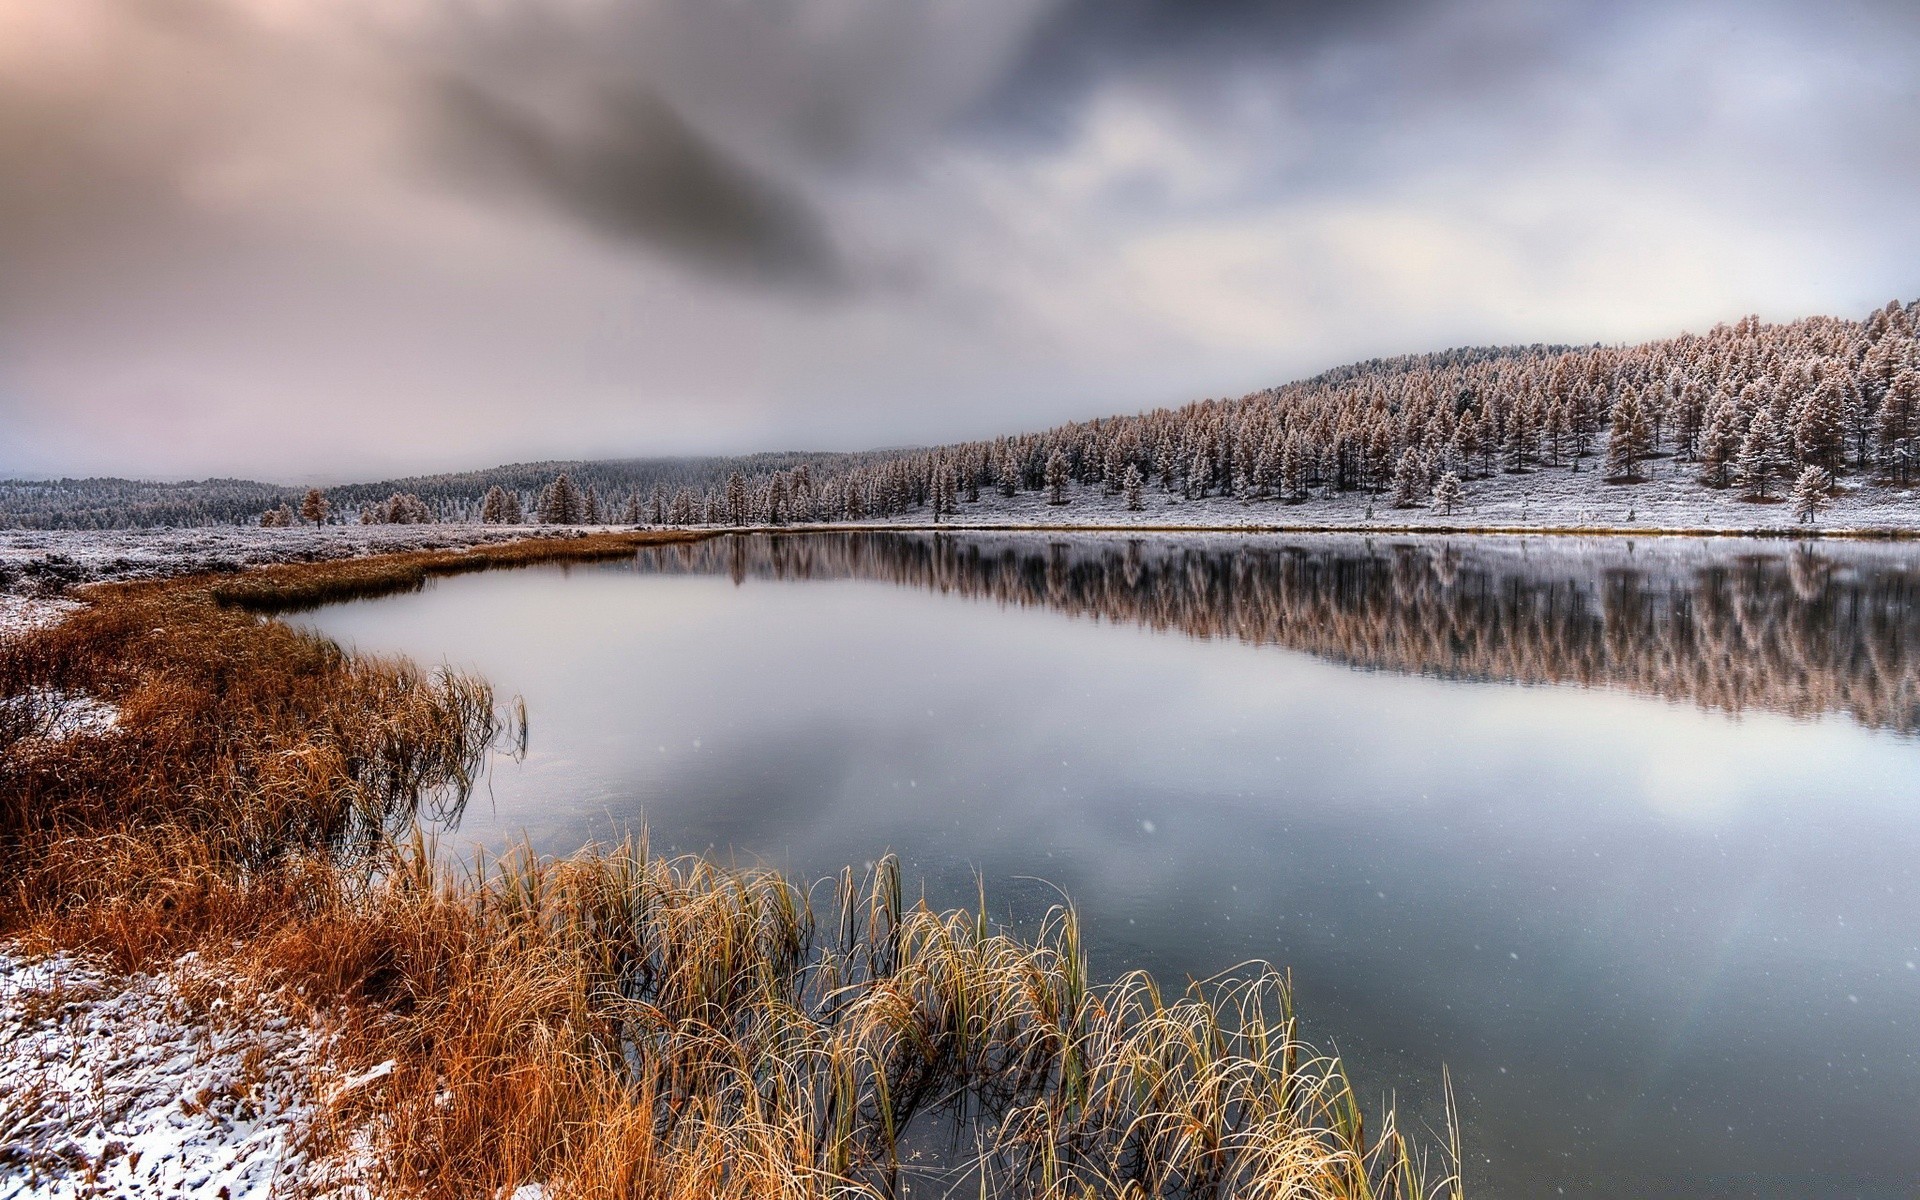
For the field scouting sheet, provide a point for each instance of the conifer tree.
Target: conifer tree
(1628, 438)
(1010, 473)
(1056, 479)
(1466, 438)
(1719, 444)
(1293, 472)
(1899, 423)
(561, 503)
(737, 507)
(493, 509)
(1810, 494)
(1448, 494)
(1820, 432)
(630, 515)
(590, 507)
(315, 507)
(1761, 461)
(1132, 486)
(1409, 479)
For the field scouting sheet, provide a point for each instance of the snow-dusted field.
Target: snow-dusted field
(1552, 498)
(153, 1085)
(40, 563)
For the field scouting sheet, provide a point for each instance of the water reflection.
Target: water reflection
(1664, 950)
(1801, 631)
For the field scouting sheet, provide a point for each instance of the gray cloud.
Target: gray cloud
(629, 165)
(532, 228)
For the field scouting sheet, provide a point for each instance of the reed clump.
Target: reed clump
(612, 1023)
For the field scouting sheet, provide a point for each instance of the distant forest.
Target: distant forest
(1757, 407)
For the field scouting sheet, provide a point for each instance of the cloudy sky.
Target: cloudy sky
(330, 239)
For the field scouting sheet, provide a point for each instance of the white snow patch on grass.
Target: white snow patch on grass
(125, 1087)
(20, 614)
(59, 716)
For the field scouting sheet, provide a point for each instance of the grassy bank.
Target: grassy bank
(614, 1023)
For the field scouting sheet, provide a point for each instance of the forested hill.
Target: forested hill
(1822, 407)
(126, 503)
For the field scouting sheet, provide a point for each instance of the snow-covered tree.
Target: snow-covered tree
(1131, 484)
(1409, 479)
(1056, 477)
(1761, 460)
(1899, 423)
(1448, 494)
(315, 507)
(561, 503)
(1629, 437)
(1810, 494)
(1819, 433)
(1719, 444)
(590, 507)
(501, 507)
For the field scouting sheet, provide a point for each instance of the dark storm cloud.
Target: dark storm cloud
(626, 164)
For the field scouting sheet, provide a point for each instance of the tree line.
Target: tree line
(1762, 409)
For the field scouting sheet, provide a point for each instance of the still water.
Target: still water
(1622, 835)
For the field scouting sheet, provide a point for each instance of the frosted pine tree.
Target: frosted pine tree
(1409, 480)
(493, 509)
(1131, 484)
(1448, 494)
(630, 515)
(561, 503)
(1629, 438)
(1810, 494)
(590, 507)
(1899, 423)
(737, 506)
(657, 505)
(315, 507)
(1719, 444)
(1820, 434)
(1293, 471)
(1056, 478)
(1010, 473)
(1761, 461)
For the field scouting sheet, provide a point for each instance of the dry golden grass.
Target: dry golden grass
(613, 1024)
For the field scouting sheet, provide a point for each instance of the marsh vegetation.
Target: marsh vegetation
(613, 1022)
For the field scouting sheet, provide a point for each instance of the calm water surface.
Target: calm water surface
(1624, 836)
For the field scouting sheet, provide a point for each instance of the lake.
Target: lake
(1622, 834)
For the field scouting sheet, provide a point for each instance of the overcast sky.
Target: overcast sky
(332, 239)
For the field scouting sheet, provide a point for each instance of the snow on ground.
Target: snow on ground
(1544, 498)
(153, 1085)
(61, 716)
(39, 563)
(18, 614)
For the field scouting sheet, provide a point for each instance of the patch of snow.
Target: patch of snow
(19, 614)
(62, 716)
(122, 1087)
